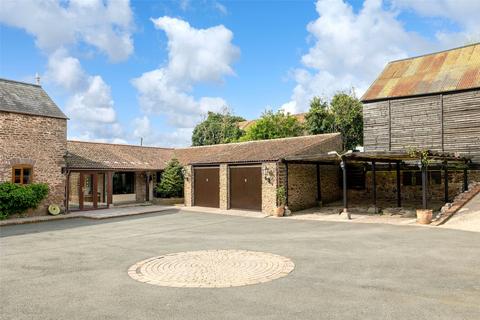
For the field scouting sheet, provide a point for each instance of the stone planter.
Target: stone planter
(279, 211)
(424, 216)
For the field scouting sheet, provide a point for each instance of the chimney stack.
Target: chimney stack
(37, 79)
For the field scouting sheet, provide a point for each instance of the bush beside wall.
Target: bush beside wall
(16, 199)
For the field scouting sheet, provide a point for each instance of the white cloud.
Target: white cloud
(105, 25)
(220, 7)
(59, 25)
(464, 13)
(195, 56)
(65, 70)
(350, 48)
(177, 138)
(90, 105)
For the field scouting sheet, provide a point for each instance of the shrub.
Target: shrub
(281, 196)
(171, 183)
(19, 198)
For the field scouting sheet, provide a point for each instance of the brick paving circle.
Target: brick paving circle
(211, 269)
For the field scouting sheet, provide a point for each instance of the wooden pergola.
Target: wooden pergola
(398, 158)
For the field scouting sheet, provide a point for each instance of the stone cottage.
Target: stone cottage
(33, 139)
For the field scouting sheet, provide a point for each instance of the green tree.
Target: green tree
(319, 118)
(171, 182)
(348, 118)
(272, 125)
(217, 128)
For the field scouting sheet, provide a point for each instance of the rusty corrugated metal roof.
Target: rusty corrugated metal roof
(451, 70)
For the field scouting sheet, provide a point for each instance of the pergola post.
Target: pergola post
(319, 187)
(445, 180)
(465, 178)
(286, 184)
(424, 185)
(374, 177)
(343, 165)
(399, 186)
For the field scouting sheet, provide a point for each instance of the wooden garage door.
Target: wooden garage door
(246, 187)
(206, 187)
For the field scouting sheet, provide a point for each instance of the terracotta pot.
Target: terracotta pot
(424, 216)
(279, 211)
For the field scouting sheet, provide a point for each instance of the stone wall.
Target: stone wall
(302, 186)
(40, 142)
(387, 186)
(329, 178)
(275, 176)
(224, 186)
(140, 187)
(188, 186)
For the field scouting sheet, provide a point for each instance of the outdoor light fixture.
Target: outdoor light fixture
(186, 173)
(267, 174)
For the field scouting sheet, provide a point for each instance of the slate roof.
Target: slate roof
(105, 156)
(94, 155)
(26, 98)
(445, 71)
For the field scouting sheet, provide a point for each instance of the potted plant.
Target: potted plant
(424, 216)
(281, 200)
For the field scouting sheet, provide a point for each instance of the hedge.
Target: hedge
(16, 198)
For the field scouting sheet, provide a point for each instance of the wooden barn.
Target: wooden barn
(426, 102)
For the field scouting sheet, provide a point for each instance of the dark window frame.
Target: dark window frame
(126, 187)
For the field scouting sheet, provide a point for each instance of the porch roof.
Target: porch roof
(108, 156)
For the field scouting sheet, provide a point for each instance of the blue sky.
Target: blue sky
(119, 75)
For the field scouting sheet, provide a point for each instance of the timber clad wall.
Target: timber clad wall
(376, 126)
(443, 122)
(416, 122)
(37, 141)
(462, 123)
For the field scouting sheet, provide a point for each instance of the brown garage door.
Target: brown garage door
(246, 187)
(206, 187)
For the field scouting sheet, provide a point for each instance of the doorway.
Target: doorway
(91, 191)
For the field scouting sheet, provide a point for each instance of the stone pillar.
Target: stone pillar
(188, 186)
(140, 187)
(224, 186)
(271, 178)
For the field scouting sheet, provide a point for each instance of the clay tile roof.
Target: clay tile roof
(27, 98)
(93, 155)
(451, 70)
(260, 150)
(106, 156)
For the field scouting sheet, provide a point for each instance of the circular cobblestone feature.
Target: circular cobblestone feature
(211, 269)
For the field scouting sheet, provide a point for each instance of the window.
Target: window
(123, 182)
(22, 174)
